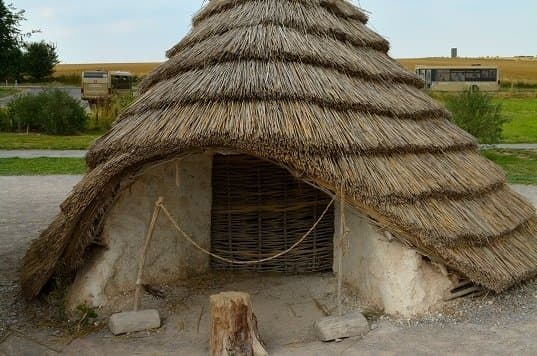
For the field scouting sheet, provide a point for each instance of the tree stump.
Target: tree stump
(234, 326)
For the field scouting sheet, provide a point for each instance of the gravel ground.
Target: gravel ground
(27, 205)
(492, 324)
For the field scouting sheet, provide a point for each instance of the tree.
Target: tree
(11, 69)
(39, 59)
(476, 113)
(11, 39)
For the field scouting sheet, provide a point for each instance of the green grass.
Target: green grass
(521, 166)
(7, 92)
(522, 113)
(41, 166)
(520, 107)
(12, 141)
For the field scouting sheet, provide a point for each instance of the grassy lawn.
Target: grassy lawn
(521, 166)
(523, 115)
(11, 141)
(41, 166)
(521, 109)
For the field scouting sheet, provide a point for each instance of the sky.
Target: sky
(141, 31)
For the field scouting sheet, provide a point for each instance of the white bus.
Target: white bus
(95, 85)
(459, 78)
(100, 85)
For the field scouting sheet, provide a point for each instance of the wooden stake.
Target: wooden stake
(234, 326)
(340, 247)
(143, 254)
(177, 175)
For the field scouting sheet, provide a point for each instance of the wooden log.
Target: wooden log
(234, 326)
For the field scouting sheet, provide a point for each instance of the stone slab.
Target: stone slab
(129, 322)
(341, 327)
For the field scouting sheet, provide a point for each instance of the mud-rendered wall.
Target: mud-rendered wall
(186, 187)
(386, 273)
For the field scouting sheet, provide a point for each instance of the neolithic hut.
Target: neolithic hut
(262, 113)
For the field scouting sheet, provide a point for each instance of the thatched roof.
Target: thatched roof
(306, 84)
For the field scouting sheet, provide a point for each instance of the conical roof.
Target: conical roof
(307, 84)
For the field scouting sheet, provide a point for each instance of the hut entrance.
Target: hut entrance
(260, 209)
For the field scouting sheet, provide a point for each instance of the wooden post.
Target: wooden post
(234, 326)
(340, 249)
(143, 254)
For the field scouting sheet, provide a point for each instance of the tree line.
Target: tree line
(19, 58)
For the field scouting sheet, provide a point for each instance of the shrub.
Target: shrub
(53, 112)
(5, 121)
(475, 112)
(22, 113)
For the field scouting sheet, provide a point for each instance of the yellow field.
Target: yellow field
(77, 69)
(511, 69)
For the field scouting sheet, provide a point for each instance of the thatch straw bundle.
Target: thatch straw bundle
(306, 84)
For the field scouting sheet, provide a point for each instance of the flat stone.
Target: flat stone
(336, 327)
(129, 322)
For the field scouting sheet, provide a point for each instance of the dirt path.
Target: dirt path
(27, 205)
(504, 324)
(42, 153)
(512, 146)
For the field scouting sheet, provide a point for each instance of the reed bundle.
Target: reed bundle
(289, 14)
(306, 84)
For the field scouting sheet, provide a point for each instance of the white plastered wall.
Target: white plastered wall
(186, 187)
(387, 273)
(384, 273)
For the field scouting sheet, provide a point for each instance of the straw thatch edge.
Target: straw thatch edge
(257, 42)
(62, 246)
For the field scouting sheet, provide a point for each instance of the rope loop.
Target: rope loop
(160, 204)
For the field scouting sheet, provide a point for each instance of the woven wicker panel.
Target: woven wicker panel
(259, 209)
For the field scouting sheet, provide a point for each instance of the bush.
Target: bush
(52, 112)
(475, 112)
(22, 113)
(5, 121)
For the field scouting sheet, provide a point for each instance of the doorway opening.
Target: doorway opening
(260, 209)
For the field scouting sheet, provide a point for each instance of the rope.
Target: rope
(195, 244)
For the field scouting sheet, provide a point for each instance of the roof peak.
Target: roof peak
(305, 16)
(341, 8)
